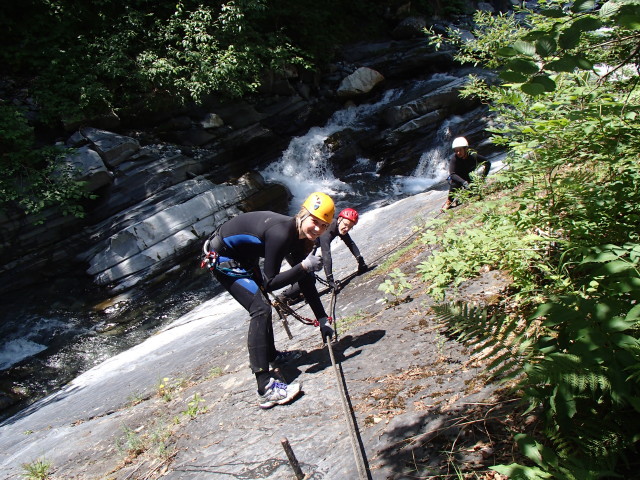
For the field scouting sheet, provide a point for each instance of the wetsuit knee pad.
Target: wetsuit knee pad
(259, 308)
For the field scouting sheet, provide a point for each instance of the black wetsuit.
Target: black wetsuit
(240, 243)
(324, 242)
(460, 170)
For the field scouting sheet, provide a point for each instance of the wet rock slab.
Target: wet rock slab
(183, 404)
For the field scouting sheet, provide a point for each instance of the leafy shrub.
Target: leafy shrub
(567, 111)
(34, 178)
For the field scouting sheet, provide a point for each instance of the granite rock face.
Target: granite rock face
(183, 405)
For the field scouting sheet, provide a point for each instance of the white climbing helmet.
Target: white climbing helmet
(459, 142)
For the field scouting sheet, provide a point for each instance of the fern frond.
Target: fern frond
(494, 338)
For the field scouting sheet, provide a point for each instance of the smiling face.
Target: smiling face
(344, 225)
(461, 152)
(312, 227)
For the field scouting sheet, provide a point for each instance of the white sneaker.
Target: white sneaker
(278, 393)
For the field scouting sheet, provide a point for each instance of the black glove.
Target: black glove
(335, 286)
(325, 330)
(362, 267)
(465, 184)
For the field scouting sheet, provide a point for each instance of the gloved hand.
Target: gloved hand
(325, 329)
(362, 266)
(312, 263)
(335, 286)
(465, 184)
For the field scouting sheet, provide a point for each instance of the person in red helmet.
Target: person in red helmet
(340, 227)
(347, 219)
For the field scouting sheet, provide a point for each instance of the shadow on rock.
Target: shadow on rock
(444, 440)
(319, 358)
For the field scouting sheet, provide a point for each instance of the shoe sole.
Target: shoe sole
(287, 399)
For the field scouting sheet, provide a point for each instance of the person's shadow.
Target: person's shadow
(319, 358)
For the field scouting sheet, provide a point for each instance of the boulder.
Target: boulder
(113, 148)
(87, 166)
(362, 81)
(410, 27)
(211, 120)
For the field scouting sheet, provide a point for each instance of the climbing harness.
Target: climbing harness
(213, 258)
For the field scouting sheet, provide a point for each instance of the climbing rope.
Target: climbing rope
(356, 442)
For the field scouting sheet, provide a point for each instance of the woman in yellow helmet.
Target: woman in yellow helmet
(234, 251)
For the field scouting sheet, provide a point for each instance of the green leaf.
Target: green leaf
(552, 12)
(583, 63)
(521, 472)
(512, 77)
(612, 268)
(526, 67)
(567, 63)
(609, 8)
(534, 35)
(624, 341)
(633, 314)
(548, 84)
(616, 324)
(570, 38)
(581, 6)
(632, 22)
(546, 46)
(587, 24)
(529, 447)
(532, 88)
(525, 48)
(507, 52)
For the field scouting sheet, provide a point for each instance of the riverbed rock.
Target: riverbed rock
(183, 404)
(165, 229)
(362, 81)
(87, 166)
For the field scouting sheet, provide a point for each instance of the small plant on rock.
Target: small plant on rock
(39, 469)
(395, 286)
(193, 407)
(167, 388)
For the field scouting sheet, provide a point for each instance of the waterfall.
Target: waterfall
(304, 168)
(433, 166)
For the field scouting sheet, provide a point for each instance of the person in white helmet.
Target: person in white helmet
(463, 163)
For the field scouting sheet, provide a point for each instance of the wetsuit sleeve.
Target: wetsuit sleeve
(277, 245)
(325, 245)
(308, 288)
(351, 245)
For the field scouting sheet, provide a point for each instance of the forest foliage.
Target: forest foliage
(78, 60)
(563, 218)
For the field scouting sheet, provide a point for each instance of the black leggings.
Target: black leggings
(260, 342)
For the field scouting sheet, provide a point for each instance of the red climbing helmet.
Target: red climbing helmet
(349, 214)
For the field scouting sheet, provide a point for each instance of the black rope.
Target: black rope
(359, 453)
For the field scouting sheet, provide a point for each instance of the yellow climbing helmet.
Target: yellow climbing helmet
(320, 206)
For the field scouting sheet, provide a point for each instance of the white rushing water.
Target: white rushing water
(304, 166)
